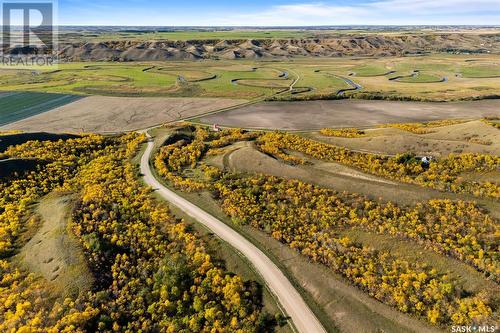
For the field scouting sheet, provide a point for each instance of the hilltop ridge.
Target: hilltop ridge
(349, 45)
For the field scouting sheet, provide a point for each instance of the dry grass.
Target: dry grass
(243, 157)
(442, 141)
(53, 252)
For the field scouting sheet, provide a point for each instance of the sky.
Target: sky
(278, 12)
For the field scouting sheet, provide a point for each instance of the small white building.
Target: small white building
(427, 160)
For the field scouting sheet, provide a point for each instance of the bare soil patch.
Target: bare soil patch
(103, 114)
(313, 115)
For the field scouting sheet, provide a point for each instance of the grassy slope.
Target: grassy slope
(440, 142)
(472, 280)
(53, 252)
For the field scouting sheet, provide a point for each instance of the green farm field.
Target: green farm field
(428, 78)
(210, 34)
(196, 35)
(90, 35)
(17, 105)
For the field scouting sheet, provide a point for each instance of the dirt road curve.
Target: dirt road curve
(303, 318)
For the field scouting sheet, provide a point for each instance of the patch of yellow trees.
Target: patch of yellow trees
(443, 174)
(343, 132)
(424, 128)
(151, 273)
(309, 218)
(172, 159)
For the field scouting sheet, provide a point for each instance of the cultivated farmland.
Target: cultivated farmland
(116, 114)
(313, 115)
(20, 105)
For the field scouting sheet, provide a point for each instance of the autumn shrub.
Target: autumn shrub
(308, 218)
(443, 174)
(172, 159)
(155, 273)
(343, 133)
(423, 128)
(152, 274)
(492, 121)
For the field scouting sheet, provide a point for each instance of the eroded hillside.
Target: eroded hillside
(349, 45)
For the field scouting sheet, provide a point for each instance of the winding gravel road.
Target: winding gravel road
(303, 318)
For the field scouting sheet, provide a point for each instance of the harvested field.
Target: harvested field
(103, 114)
(313, 115)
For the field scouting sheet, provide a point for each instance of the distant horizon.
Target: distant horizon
(287, 26)
(272, 13)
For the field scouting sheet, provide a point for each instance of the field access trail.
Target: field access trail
(313, 115)
(292, 302)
